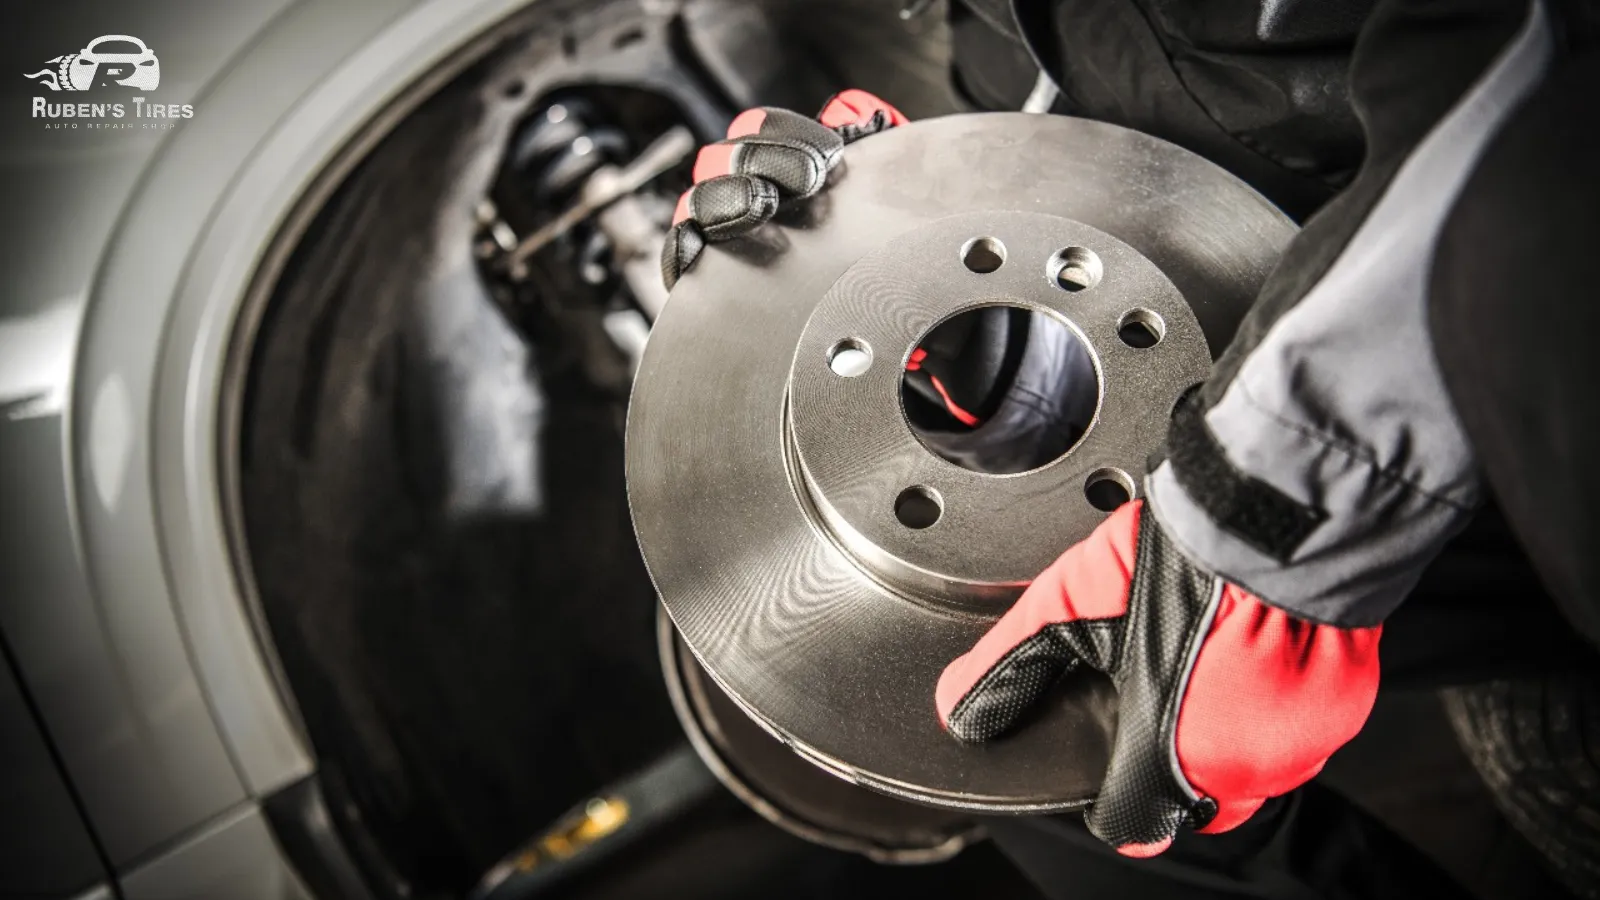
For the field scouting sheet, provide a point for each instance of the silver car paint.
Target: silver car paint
(233, 857)
(129, 627)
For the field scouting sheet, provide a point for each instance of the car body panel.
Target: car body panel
(129, 627)
(133, 558)
(234, 857)
(48, 850)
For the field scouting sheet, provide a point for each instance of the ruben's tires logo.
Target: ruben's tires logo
(108, 70)
(111, 60)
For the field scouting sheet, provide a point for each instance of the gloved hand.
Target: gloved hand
(771, 155)
(1224, 700)
(979, 378)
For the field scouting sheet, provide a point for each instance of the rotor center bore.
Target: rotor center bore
(1001, 389)
(937, 516)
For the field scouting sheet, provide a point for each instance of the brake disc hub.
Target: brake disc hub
(918, 523)
(819, 560)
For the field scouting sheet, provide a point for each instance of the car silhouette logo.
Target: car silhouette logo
(111, 60)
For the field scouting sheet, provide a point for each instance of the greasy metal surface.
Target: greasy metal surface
(838, 652)
(662, 154)
(792, 793)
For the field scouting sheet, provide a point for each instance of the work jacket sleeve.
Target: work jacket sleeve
(1322, 466)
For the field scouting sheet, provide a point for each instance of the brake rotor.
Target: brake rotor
(770, 484)
(789, 792)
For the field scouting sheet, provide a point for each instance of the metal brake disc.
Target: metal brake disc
(765, 480)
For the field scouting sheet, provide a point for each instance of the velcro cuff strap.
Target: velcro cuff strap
(1246, 507)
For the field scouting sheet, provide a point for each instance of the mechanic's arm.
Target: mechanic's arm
(1306, 485)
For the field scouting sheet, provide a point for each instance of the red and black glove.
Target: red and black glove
(771, 155)
(1224, 700)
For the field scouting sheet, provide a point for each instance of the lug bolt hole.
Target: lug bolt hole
(918, 507)
(1107, 489)
(849, 358)
(983, 254)
(1141, 329)
(1075, 269)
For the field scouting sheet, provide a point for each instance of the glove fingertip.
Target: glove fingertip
(747, 123)
(682, 247)
(1231, 814)
(995, 686)
(954, 684)
(854, 106)
(713, 161)
(1145, 851)
(733, 205)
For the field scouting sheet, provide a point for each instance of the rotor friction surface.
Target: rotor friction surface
(827, 652)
